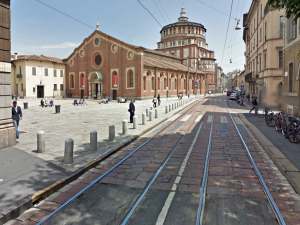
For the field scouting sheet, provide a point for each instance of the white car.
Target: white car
(233, 96)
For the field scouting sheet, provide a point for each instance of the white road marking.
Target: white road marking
(209, 119)
(185, 118)
(163, 214)
(223, 119)
(198, 118)
(174, 117)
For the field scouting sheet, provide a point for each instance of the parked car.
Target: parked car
(233, 96)
(229, 92)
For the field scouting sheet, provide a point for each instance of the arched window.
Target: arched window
(145, 83)
(175, 84)
(82, 80)
(170, 84)
(165, 79)
(184, 84)
(158, 83)
(152, 81)
(130, 79)
(72, 81)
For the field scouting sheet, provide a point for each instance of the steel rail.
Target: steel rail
(201, 206)
(112, 168)
(130, 212)
(266, 190)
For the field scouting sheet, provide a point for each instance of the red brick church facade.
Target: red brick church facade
(103, 65)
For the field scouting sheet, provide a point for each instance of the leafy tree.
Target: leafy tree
(292, 7)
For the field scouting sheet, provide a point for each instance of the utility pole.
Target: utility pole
(188, 58)
(196, 77)
(205, 80)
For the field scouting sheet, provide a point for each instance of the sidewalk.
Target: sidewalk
(27, 176)
(285, 154)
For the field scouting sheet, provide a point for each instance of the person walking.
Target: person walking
(154, 101)
(158, 98)
(16, 116)
(131, 110)
(254, 105)
(248, 97)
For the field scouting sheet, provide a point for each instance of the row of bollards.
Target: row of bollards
(69, 143)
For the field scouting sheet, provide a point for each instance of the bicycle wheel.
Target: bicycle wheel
(277, 125)
(270, 122)
(288, 130)
(294, 136)
(284, 127)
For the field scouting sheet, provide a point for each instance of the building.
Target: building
(219, 79)
(263, 36)
(241, 83)
(232, 79)
(103, 65)
(7, 129)
(37, 76)
(291, 78)
(187, 40)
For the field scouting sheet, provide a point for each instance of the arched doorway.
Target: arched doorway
(95, 84)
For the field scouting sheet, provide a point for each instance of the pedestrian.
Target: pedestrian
(131, 110)
(75, 102)
(154, 101)
(158, 98)
(16, 116)
(248, 97)
(12, 97)
(254, 105)
(42, 103)
(51, 102)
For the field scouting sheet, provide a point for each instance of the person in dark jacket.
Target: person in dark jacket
(131, 110)
(254, 104)
(16, 116)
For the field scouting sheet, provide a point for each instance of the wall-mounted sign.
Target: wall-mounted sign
(5, 67)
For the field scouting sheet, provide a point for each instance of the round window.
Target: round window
(97, 41)
(98, 60)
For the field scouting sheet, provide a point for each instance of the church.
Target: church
(103, 65)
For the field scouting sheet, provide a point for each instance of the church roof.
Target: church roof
(152, 62)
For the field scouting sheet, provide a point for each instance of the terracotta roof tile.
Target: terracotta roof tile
(167, 65)
(39, 58)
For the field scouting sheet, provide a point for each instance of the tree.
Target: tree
(292, 7)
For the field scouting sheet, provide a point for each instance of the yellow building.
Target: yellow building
(36, 76)
(263, 36)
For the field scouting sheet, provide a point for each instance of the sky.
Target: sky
(38, 29)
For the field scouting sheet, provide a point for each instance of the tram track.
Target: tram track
(79, 194)
(132, 209)
(201, 206)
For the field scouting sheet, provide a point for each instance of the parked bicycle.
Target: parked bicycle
(293, 130)
(269, 117)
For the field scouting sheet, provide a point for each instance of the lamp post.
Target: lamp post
(188, 58)
(205, 79)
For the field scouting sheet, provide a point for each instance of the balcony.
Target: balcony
(19, 75)
(248, 76)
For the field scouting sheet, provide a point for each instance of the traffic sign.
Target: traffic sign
(242, 86)
(196, 83)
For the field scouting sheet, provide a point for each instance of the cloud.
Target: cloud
(62, 45)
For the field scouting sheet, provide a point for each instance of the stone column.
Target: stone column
(125, 127)
(156, 113)
(69, 148)
(144, 118)
(112, 132)
(151, 115)
(135, 122)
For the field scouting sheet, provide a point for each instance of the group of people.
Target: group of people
(45, 103)
(81, 102)
(156, 101)
(15, 97)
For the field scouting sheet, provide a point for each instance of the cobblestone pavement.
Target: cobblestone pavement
(77, 122)
(234, 194)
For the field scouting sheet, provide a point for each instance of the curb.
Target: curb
(17, 209)
(291, 173)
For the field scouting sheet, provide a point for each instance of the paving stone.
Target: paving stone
(189, 188)
(63, 197)
(77, 188)
(132, 176)
(28, 213)
(135, 184)
(48, 206)
(14, 222)
(144, 176)
(37, 217)
(112, 180)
